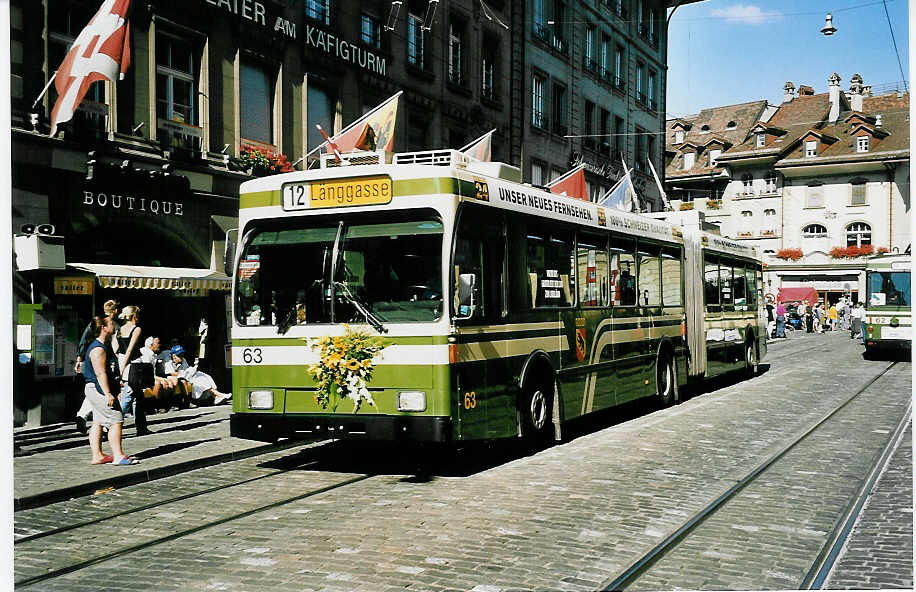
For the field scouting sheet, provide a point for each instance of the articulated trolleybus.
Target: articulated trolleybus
(503, 310)
(888, 306)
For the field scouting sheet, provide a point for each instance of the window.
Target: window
(640, 89)
(711, 283)
(319, 10)
(770, 182)
(590, 48)
(747, 184)
(862, 143)
(640, 149)
(746, 214)
(623, 271)
(761, 140)
(814, 231)
(713, 155)
(814, 195)
(705, 129)
(811, 148)
(176, 92)
(550, 278)
(651, 89)
(605, 141)
(256, 103)
(321, 109)
(618, 7)
(65, 21)
(769, 222)
(671, 276)
(489, 71)
(559, 109)
(592, 270)
(605, 57)
(731, 125)
(589, 130)
(455, 71)
(640, 17)
(739, 287)
(559, 19)
(619, 137)
(650, 281)
(857, 192)
(480, 250)
(416, 51)
(678, 136)
(751, 279)
(371, 31)
(619, 75)
(725, 284)
(537, 174)
(651, 19)
(537, 102)
(689, 160)
(858, 234)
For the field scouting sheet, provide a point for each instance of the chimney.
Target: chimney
(855, 92)
(834, 90)
(878, 121)
(788, 92)
(805, 90)
(866, 91)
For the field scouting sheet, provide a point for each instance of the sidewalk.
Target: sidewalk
(51, 463)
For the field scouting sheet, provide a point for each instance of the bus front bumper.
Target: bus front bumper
(269, 427)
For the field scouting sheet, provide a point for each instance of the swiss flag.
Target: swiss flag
(101, 51)
(572, 184)
(373, 131)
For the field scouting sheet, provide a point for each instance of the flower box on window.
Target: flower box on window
(260, 159)
(687, 205)
(713, 204)
(767, 233)
(851, 251)
(745, 234)
(787, 254)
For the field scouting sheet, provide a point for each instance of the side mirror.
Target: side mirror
(466, 305)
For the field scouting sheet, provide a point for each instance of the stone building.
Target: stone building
(816, 183)
(134, 196)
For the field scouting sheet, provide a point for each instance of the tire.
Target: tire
(537, 413)
(665, 380)
(750, 359)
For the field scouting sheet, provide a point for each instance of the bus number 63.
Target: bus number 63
(252, 355)
(470, 400)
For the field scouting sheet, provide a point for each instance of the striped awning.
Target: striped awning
(155, 278)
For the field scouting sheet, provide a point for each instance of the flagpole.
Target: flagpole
(45, 89)
(352, 125)
(661, 189)
(627, 174)
(472, 142)
(568, 173)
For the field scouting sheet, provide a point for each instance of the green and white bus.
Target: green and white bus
(505, 310)
(888, 305)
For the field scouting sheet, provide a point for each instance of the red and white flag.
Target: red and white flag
(481, 148)
(571, 184)
(101, 51)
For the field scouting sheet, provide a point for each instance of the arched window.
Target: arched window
(770, 181)
(705, 128)
(747, 213)
(747, 183)
(731, 125)
(814, 231)
(858, 234)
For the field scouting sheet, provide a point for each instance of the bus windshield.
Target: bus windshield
(889, 288)
(390, 268)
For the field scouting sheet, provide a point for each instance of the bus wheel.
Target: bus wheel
(750, 359)
(536, 412)
(664, 380)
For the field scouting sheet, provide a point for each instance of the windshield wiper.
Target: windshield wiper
(362, 308)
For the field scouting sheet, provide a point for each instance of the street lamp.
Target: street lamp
(828, 29)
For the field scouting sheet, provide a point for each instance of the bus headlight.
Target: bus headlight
(261, 400)
(411, 401)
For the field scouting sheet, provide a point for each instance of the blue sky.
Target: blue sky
(724, 52)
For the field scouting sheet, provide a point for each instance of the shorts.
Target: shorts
(102, 414)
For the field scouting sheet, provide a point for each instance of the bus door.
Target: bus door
(485, 407)
(650, 305)
(629, 329)
(716, 354)
(588, 370)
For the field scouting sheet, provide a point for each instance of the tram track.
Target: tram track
(828, 554)
(111, 553)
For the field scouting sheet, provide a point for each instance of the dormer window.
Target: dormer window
(678, 136)
(731, 125)
(810, 148)
(690, 159)
(761, 140)
(713, 155)
(705, 129)
(862, 143)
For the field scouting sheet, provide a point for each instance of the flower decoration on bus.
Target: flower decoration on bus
(344, 368)
(261, 161)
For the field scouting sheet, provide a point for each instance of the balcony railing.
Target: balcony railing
(641, 98)
(542, 32)
(488, 91)
(619, 83)
(539, 120)
(559, 44)
(592, 66)
(653, 104)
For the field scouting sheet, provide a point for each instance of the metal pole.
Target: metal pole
(45, 89)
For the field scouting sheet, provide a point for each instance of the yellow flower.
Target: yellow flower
(366, 363)
(352, 364)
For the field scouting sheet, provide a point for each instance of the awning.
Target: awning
(797, 295)
(155, 278)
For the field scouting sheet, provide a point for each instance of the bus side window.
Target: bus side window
(623, 271)
(751, 276)
(725, 284)
(711, 284)
(650, 287)
(592, 270)
(671, 276)
(550, 271)
(739, 287)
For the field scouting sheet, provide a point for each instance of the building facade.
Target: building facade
(591, 90)
(134, 198)
(817, 183)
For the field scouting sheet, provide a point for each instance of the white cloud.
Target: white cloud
(745, 13)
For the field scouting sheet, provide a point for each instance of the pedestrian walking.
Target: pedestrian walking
(780, 321)
(129, 346)
(843, 311)
(100, 391)
(771, 320)
(809, 317)
(858, 316)
(111, 310)
(832, 316)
